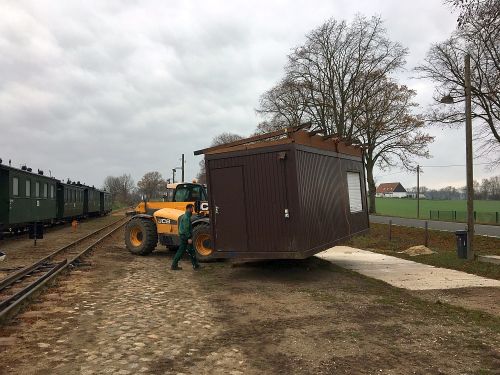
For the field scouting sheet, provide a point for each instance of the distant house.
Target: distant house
(391, 190)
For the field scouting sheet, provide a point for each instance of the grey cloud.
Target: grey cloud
(91, 89)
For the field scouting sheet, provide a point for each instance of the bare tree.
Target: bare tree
(390, 131)
(217, 140)
(121, 188)
(151, 185)
(339, 80)
(474, 10)
(283, 105)
(329, 76)
(478, 35)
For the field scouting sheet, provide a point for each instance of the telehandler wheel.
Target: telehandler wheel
(202, 242)
(140, 236)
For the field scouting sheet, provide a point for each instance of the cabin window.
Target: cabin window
(354, 187)
(45, 191)
(52, 191)
(28, 188)
(37, 189)
(15, 186)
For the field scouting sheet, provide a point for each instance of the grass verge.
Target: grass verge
(444, 243)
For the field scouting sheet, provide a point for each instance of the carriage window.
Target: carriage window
(52, 191)
(28, 188)
(15, 186)
(45, 191)
(37, 189)
(354, 188)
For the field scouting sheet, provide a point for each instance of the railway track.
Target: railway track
(17, 288)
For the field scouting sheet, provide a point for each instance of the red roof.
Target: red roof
(391, 187)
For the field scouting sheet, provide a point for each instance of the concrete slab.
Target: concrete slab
(495, 259)
(402, 273)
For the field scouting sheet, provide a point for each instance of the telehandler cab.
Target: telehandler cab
(154, 222)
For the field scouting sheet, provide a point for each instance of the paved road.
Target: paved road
(485, 230)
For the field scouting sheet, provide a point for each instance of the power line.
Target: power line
(450, 165)
(390, 174)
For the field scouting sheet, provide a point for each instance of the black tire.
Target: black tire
(202, 242)
(141, 236)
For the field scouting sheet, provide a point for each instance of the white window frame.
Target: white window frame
(354, 191)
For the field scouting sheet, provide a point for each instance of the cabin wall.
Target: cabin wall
(249, 193)
(326, 217)
(282, 201)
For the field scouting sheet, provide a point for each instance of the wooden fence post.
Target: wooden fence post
(426, 234)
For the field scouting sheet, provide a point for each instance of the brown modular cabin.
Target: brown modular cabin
(286, 194)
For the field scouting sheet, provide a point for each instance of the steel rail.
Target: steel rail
(37, 285)
(10, 279)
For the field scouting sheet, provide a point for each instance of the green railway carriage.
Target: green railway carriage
(92, 201)
(26, 197)
(70, 201)
(105, 203)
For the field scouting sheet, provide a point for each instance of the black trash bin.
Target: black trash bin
(461, 243)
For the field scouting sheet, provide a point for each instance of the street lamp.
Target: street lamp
(173, 174)
(448, 99)
(181, 168)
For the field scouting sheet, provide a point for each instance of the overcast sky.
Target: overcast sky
(90, 89)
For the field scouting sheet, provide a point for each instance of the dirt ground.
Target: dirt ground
(21, 251)
(128, 315)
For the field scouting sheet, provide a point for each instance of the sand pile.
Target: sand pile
(417, 250)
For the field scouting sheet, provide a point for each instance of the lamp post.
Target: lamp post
(468, 158)
(173, 174)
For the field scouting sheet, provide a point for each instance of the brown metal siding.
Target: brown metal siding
(310, 183)
(324, 200)
(266, 183)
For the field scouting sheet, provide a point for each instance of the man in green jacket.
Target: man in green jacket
(185, 235)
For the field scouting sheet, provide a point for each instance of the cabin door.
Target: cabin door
(229, 204)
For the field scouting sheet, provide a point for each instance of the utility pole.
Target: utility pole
(182, 160)
(173, 175)
(468, 151)
(418, 191)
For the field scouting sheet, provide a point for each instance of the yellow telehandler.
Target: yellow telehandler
(154, 222)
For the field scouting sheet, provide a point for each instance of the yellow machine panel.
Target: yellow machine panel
(167, 220)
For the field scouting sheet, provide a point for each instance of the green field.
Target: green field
(408, 208)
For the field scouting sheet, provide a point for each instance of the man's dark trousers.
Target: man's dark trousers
(185, 246)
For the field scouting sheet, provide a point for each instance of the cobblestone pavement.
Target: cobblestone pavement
(132, 315)
(120, 320)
